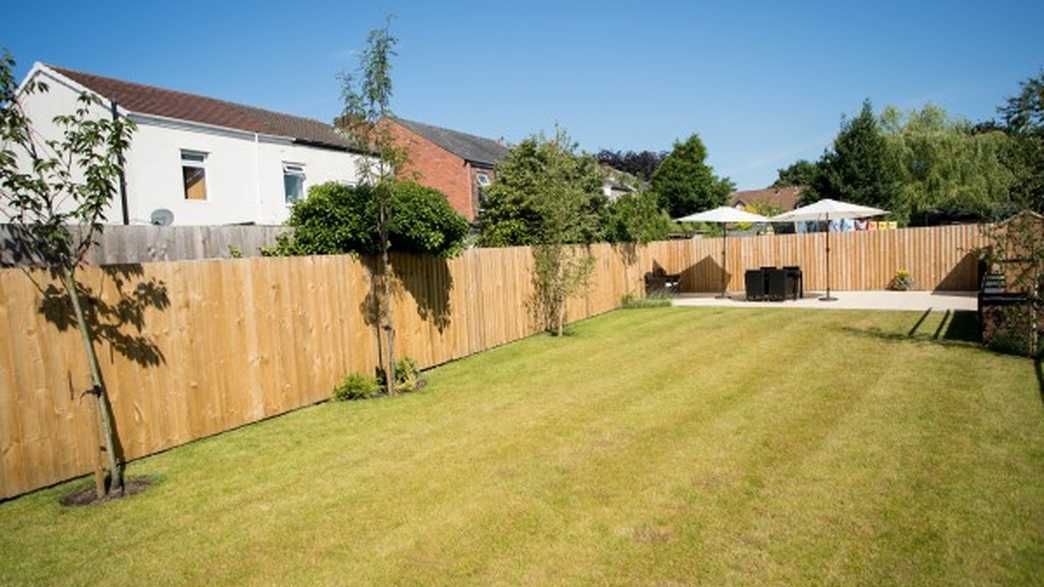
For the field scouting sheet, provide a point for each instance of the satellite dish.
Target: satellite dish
(161, 217)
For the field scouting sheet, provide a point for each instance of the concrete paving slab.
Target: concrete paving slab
(846, 300)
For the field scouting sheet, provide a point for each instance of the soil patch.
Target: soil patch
(87, 495)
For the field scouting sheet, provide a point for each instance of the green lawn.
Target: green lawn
(652, 446)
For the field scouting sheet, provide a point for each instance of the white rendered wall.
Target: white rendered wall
(244, 171)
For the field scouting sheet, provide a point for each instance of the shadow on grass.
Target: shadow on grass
(1040, 377)
(920, 321)
(958, 328)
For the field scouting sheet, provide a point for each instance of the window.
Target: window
(483, 179)
(293, 181)
(194, 174)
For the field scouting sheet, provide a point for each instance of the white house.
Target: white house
(207, 161)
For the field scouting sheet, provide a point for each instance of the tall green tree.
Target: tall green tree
(947, 166)
(50, 185)
(859, 168)
(685, 183)
(1023, 116)
(367, 97)
(535, 173)
(799, 173)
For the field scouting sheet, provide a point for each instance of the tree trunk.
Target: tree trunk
(1034, 321)
(105, 418)
(560, 318)
(386, 305)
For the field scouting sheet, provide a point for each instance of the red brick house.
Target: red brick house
(455, 163)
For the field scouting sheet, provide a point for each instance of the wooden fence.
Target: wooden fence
(145, 243)
(193, 348)
(939, 258)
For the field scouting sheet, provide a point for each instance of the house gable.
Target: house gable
(244, 170)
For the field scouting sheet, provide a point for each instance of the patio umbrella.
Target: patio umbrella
(825, 210)
(724, 215)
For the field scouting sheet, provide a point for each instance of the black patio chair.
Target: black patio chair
(776, 284)
(795, 281)
(754, 280)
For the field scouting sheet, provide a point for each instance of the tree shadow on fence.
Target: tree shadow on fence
(628, 252)
(119, 324)
(116, 320)
(426, 279)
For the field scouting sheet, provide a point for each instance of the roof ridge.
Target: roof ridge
(140, 85)
(474, 136)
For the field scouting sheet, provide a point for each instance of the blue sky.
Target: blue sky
(763, 84)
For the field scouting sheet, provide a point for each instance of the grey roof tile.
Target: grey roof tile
(468, 147)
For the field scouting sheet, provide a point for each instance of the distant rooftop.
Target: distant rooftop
(150, 100)
(785, 197)
(466, 146)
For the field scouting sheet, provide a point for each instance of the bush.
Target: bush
(408, 377)
(356, 386)
(637, 218)
(652, 300)
(902, 281)
(336, 219)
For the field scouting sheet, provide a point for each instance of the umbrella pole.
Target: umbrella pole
(724, 240)
(827, 297)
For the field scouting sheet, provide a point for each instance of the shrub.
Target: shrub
(902, 281)
(337, 218)
(652, 300)
(356, 386)
(408, 377)
(637, 218)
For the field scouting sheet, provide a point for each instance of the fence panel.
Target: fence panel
(145, 243)
(939, 258)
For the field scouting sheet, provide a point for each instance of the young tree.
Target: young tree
(685, 183)
(560, 271)
(548, 195)
(367, 101)
(859, 168)
(49, 185)
(513, 213)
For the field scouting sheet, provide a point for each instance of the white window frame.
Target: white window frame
(296, 169)
(197, 159)
(483, 179)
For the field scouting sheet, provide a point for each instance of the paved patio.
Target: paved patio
(846, 300)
